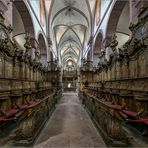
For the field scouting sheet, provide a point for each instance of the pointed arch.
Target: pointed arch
(43, 49)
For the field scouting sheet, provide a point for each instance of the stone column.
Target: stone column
(90, 53)
(49, 58)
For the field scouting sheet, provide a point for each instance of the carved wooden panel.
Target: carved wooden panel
(109, 74)
(1, 66)
(113, 72)
(125, 71)
(118, 70)
(16, 85)
(31, 73)
(142, 65)
(133, 69)
(40, 76)
(37, 76)
(32, 85)
(22, 71)
(34, 76)
(4, 106)
(140, 85)
(27, 71)
(19, 101)
(8, 69)
(16, 71)
(103, 77)
(26, 85)
(4, 85)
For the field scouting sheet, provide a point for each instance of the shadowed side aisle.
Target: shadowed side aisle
(69, 126)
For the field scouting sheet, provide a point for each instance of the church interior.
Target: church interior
(73, 73)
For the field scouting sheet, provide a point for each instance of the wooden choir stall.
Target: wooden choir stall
(27, 93)
(116, 93)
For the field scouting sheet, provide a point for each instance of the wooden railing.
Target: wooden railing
(28, 119)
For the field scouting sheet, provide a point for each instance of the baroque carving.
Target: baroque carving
(116, 94)
(24, 105)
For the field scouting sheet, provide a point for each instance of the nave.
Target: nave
(97, 48)
(69, 126)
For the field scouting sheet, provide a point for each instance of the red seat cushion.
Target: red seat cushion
(12, 112)
(140, 120)
(6, 119)
(130, 113)
(24, 106)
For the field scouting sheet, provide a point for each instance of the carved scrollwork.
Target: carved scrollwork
(20, 55)
(136, 45)
(139, 33)
(27, 58)
(37, 54)
(35, 65)
(27, 44)
(6, 44)
(7, 47)
(114, 43)
(120, 55)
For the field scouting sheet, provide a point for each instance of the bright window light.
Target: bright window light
(69, 85)
(69, 63)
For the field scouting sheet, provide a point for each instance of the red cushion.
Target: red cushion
(115, 106)
(23, 106)
(130, 113)
(140, 120)
(6, 119)
(12, 112)
(32, 102)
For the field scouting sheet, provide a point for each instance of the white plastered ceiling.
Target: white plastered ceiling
(70, 22)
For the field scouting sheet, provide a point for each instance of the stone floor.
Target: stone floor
(69, 127)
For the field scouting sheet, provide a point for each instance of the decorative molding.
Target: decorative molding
(3, 6)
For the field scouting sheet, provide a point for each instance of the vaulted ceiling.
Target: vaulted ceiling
(70, 22)
(72, 26)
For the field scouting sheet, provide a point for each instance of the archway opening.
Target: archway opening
(20, 8)
(43, 49)
(119, 22)
(22, 24)
(97, 49)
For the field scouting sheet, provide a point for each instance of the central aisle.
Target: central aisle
(69, 126)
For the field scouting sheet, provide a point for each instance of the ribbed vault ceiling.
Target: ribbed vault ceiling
(69, 24)
(70, 21)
